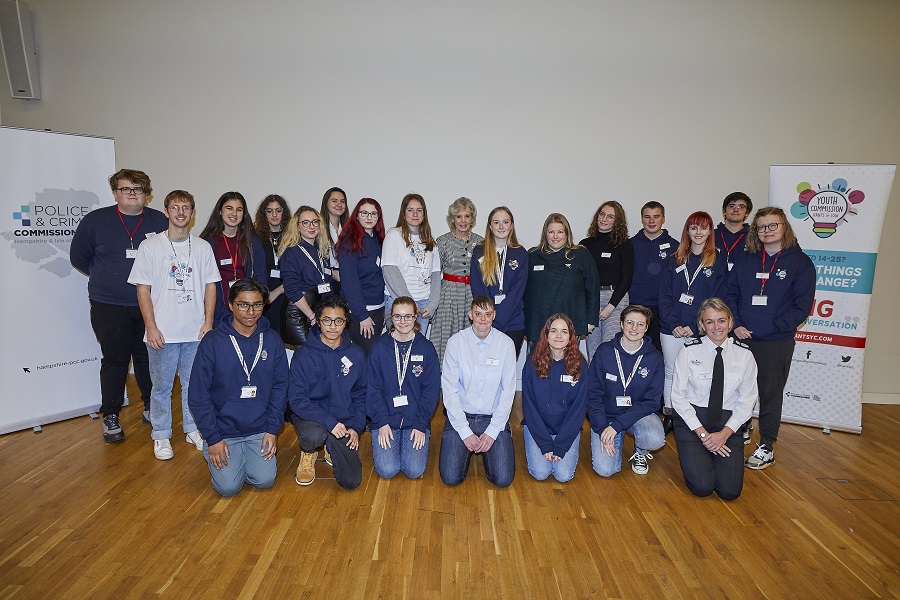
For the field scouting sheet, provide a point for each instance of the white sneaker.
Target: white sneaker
(639, 462)
(196, 439)
(163, 449)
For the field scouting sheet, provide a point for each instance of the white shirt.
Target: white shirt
(415, 263)
(479, 377)
(693, 380)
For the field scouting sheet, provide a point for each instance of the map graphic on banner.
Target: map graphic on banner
(837, 213)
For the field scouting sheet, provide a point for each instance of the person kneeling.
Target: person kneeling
(238, 392)
(328, 396)
(713, 393)
(478, 382)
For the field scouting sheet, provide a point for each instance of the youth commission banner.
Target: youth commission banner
(49, 357)
(837, 212)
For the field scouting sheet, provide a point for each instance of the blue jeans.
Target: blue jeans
(423, 323)
(401, 456)
(499, 462)
(163, 364)
(541, 468)
(245, 464)
(648, 435)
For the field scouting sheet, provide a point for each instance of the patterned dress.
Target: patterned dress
(456, 298)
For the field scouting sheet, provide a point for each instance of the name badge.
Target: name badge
(480, 259)
(538, 268)
(623, 400)
(326, 270)
(664, 246)
(611, 377)
(232, 282)
(150, 234)
(759, 301)
(762, 275)
(704, 376)
(686, 299)
(680, 269)
(275, 273)
(417, 358)
(346, 362)
(730, 265)
(493, 362)
(324, 288)
(499, 298)
(225, 261)
(400, 401)
(130, 253)
(605, 254)
(566, 379)
(182, 297)
(377, 261)
(248, 391)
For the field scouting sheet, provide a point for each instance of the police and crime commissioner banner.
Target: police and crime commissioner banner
(49, 355)
(837, 213)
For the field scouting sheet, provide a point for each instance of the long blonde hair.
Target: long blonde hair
(490, 262)
(292, 235)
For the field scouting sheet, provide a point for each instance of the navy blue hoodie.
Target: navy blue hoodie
(552, 406)
(422, 385)
(708, 283)
(362, 282)
(328, 385)
(790, 291)
(298, 272)
(650, 258)
(604, 384)
(217, 378)
(731, 244)
(510, 314)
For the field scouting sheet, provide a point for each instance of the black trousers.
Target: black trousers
(517, 337)
(120, 332)
(347, 465)
(358, 338)
(773, 361)
(705, 472)
(653, 330)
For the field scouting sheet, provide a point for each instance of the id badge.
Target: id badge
(680, 268)
(130, 253)
(324, 288)
(231, 283)
(759, 301)
(730, 266)
(248, 391)
(417, 357)
(623, 400)
(499, 298)
(225, 261)
(275, 273)
(566, 379)
(327, 270)
(664, 246)
(611, 377)
(182, 297)
(686, 299)
(606, 255)
(762, 275)
(400, 401)
(538, 268)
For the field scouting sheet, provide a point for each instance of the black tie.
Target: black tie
(714, 412)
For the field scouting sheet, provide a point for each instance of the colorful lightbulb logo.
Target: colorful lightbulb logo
(828, 207)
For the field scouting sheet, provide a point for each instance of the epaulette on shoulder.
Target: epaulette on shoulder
(741, 344)
(694, 342)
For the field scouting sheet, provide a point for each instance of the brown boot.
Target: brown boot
(306, 470)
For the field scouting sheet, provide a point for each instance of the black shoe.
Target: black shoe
(668, 424)
(112, 430)
(145, 417)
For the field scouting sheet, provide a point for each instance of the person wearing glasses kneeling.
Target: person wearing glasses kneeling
(238, 392)
(327, 396)
(404, 382)
(625, 381)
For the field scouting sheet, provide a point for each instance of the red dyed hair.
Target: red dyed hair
(571, 355)
(351, 237)
(701, 219)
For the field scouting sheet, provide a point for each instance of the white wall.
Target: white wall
(540, 106)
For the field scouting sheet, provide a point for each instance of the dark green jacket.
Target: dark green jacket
(564, 281)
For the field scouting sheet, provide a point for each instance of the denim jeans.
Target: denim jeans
(609, 327)
(541, 468)
(499, 462)
(401, 456)
(245, 464)
(648, 435)
(163, 364)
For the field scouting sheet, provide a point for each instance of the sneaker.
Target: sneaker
(306, 470)
(746, 436)
(196, 439)
(668, 424)
(163, 449)
(639, 462)
(762, 458)
(112, 430)
(328, 457)
(145, 417)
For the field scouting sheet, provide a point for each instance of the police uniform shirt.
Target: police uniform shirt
(693, 379)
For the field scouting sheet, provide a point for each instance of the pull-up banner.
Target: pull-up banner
(49, 357)
(837, 213)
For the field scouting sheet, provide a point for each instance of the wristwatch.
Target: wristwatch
(703, 436)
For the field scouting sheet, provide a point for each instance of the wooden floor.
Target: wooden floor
(84, 519)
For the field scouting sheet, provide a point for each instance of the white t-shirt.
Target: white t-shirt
(332, 255)
(177, 273)
(416, 264)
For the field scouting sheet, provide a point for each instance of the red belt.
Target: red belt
(458, 278)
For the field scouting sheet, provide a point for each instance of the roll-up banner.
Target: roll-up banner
(49, 357)
(837, 213)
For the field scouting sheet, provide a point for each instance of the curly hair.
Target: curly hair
(261, 223)
(619, 233)
(571, 355)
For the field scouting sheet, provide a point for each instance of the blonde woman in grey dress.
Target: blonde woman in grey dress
(456, 255)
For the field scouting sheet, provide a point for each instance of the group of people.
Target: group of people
(681, 334)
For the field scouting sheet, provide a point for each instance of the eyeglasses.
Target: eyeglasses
(274, 211)
(127, 191)
(366, 214)
(184, 208)
(402, 318)
(769, 227)
(635, 324)
(310, 223)
(246, 306)
(329, 321)
(605, 217)
(736, 207)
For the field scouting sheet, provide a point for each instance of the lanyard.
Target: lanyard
(626, 382)
(274, 248)
(401, 376)
(501, 267)
(180, 271)
(762, 285)
(131, 234)
(727, 249)
(234, 257)
(241, 356)
(319, 270)
(694, 276)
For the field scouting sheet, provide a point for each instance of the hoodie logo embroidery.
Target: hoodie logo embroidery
(513, 264)
(418, 370)
(781, 274)
(264, 355)
(643, 372)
